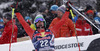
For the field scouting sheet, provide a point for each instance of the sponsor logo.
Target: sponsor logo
(43, 38)
(87, 29)
(66, 46)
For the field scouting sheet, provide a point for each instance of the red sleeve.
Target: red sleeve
(26, 26)
(56, 27)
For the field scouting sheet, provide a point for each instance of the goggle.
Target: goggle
(39, 19)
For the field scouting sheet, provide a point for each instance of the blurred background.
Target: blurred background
(32, 6)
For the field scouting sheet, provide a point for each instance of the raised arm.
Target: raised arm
(26, 26)
(56, 27)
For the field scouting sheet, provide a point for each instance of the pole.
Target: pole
(12, 29)
(75, 29)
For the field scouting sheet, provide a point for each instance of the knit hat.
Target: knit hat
(62, 8)
(90, 11)
(54, 8)
(39, 18)
(8, 16)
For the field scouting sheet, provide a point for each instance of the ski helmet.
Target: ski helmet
(54, 7)
(39, 18)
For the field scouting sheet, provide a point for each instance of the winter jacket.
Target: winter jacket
(66, 30)
(6, 35)
(83, 28)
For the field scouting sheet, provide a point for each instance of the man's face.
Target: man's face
(40, 24)
(54, 12)
(59, 14)
(90, 15)
(81, 18)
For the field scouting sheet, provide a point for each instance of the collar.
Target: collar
(41, 30)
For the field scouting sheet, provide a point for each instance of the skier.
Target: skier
(42, 39)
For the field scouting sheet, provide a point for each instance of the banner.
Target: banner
(61, 44)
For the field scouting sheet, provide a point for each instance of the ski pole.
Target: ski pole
(12, 29)
(13, 9)
(75, 29)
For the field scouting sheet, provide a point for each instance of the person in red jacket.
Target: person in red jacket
(67, 29)
(7, 33)
(82, 27)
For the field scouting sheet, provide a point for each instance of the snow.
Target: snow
(34, 5)
(5, 5)
(19, 46)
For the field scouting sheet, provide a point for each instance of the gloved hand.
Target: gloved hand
(15, 5)
(67, 5)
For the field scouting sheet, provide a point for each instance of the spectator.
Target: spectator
(1, 26)
(28, 18)
(29, 21)
(49, 15)
(97, 18)
(53, 9)
(82, 27)
(90, 14)
(7, 33)
(67, 29)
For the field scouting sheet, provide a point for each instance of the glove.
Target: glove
(67, 6)
(15, 6)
